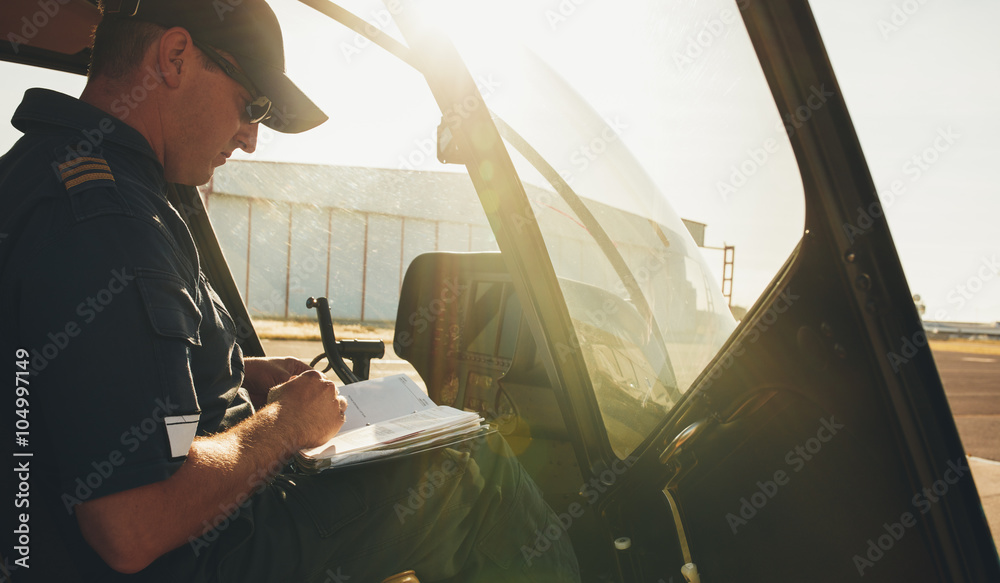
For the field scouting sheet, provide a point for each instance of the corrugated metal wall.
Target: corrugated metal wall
(281, 253)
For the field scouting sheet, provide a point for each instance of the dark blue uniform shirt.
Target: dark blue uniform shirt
(131, 351)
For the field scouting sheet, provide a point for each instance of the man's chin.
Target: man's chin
(193, 178)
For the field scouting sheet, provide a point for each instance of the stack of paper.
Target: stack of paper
(388, 416)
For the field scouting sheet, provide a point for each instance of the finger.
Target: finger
(312, 374)
(294, 365)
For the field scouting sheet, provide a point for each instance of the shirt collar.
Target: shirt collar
(43, 107)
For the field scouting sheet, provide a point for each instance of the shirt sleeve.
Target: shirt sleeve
(109, 312)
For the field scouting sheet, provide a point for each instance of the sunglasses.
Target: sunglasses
(260, 106)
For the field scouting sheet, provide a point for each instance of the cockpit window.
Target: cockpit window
(614, 142)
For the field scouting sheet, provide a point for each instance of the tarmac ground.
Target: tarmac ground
(972, 383)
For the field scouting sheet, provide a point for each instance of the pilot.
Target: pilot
(147, 459)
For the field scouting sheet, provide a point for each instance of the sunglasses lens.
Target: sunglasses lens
(259, 110)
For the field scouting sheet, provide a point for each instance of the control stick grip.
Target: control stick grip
(329, 338)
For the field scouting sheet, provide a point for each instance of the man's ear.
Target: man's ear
(175, 54)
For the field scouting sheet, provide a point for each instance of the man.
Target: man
(147, 456)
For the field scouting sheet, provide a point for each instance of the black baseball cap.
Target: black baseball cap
(246, 29)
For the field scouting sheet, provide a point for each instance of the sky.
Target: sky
(680, 81)
(913, 71)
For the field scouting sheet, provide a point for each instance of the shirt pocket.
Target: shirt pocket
(171, 305)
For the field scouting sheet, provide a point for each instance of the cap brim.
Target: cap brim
(291, 111)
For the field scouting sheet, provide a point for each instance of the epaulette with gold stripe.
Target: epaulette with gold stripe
(86, 172)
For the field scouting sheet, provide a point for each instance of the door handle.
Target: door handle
(684, 439)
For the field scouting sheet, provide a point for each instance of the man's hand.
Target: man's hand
(310, 403)
(263, 374)
(130, 529)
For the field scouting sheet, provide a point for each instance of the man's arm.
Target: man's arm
(132, 528)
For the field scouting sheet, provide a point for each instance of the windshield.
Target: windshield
(648, 309)
(648, 312)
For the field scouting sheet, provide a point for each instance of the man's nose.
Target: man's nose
(247, 137)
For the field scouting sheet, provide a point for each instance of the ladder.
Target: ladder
(728, 259)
